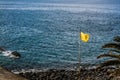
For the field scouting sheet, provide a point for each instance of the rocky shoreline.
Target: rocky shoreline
(67, 74)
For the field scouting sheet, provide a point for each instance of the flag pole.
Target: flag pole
(79, 60)
(84, 37)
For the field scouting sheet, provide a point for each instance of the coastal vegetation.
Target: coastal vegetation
(114, 54)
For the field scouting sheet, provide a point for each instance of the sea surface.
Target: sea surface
(47, 34)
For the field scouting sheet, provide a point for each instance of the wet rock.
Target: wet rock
(65, 74)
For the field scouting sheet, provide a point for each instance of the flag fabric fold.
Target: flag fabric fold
(84, 37)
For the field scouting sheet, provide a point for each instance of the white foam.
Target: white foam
(7, 53)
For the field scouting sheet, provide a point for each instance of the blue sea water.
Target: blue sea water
(47, 34)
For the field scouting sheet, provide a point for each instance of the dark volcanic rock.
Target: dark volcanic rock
(57, 74)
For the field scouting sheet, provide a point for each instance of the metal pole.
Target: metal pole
(79, 60)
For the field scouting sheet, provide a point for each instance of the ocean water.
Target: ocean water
(47, 34)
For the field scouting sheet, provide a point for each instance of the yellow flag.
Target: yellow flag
(84, 37)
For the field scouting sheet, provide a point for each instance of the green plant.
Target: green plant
(114, 48)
